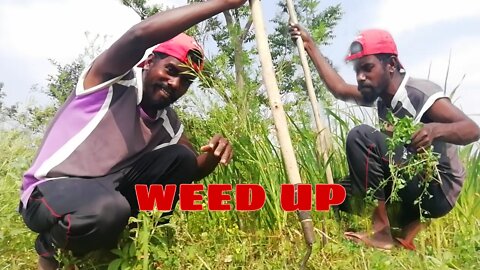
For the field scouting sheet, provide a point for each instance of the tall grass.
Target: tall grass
(16, 152)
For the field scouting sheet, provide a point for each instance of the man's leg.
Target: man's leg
(174, 164)
(80, 215)
(368, 166)
(409, 216)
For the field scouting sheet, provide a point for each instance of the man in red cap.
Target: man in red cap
(116, 130)
(382, 81)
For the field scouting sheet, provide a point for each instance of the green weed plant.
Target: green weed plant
(411, 164)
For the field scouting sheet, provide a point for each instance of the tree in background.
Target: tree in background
(284, 51)
(141, 8)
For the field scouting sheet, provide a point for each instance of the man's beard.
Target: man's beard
(166, 101)
(369, 93)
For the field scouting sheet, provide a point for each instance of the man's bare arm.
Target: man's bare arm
(335, 84)
(218, 150)
(130, 48)
(449, 124)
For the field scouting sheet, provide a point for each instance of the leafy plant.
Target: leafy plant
(144, 246)
(410, 164)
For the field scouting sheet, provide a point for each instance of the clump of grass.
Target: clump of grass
(144, 245)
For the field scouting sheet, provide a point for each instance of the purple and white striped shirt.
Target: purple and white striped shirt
(99, 131)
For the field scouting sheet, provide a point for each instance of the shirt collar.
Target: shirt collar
(396, 97)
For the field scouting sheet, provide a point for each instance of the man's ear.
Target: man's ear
(149, 61)
(394, 64)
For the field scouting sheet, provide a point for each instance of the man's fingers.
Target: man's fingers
(417, 137)
(227, 155)
(206, 148)
(214, 141)
(222, 144)
(212, 144)
(294, 30)
(220, 148)
(230, 157)
(423, 144)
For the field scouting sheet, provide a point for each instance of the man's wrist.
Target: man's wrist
(307, 45)
(437, 131)
(211, 159)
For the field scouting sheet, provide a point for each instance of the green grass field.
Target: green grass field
(267, 239)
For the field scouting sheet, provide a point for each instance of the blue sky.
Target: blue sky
(33, 31)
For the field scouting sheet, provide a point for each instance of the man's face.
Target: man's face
(372, 77)
(164, 81)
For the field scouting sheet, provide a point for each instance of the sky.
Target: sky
(426, 32)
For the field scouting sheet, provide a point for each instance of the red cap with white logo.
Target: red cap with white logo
(372, 41)
(182, 47)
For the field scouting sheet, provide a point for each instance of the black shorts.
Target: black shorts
(86, 214)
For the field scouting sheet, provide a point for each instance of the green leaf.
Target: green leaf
(132, 250)
(117, 252)
(115, 264)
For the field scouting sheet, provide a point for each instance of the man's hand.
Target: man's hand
(423, 138)
(296, 30)
(220, 148)
(388, 129)
(235, 3)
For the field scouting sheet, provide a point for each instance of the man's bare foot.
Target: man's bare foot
(409, 232)
(382, 240)
(404, 243)
(381, 236)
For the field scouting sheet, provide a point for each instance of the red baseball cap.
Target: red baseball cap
(182, 47)
(371, 41)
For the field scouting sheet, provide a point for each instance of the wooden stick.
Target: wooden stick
(280, 120)
(270, 81)
(323, 133)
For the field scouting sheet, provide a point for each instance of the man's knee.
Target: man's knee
(186, 161)
(357, 133)
(184, 155)
(95, 227)
(112, 213)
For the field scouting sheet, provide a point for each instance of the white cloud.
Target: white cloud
(55, 29)
(463, 52)
(403, 18)
(406, 15)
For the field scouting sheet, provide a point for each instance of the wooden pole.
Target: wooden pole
(323, 132)
(280, 120)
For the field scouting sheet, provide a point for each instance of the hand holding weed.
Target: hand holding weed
(220, 148)
(423, 138)
(388, 129)
(422, 162)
